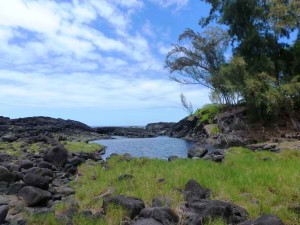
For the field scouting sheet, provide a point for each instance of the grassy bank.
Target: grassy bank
(261, 182)
(16, 148)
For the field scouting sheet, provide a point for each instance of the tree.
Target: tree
(264, 72)
(256, 28)
(186, 105)
(198, 57)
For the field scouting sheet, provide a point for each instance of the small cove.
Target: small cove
(159, 147)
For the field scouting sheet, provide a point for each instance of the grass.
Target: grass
(82, 147)
(245, 178)
(15, 148)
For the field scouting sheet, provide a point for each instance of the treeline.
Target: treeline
(248, 53)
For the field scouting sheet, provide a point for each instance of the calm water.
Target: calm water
(159, 147)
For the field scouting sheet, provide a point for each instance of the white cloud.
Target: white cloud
(64, 30)
(148, 29)
(68, 54)
(90, 90)
(167, 3)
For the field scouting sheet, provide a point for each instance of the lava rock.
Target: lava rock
(6, 175)
(3, 212)
(264, 220)
(35, 180)
(3, 186)
(14, 188)
(34, 196)
(57, 156)
(40, 171)
(131, 204)
(76, 161)
(200, 211)
(25, 164)
(45, 165)
(197, 151)
(163, 215)
(193, 190)
(148, 221)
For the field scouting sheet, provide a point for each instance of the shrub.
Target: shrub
(208, 112)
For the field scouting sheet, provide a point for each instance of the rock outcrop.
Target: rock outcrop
(15, 129)
(130, 132)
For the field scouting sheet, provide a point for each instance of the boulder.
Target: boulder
(264, 220)
(76, 161)
(34, 196)
(4, 157)
(45, 165)
(25, 164)
(35, 180)
(148, 221)
(163, 215)
(3, 212)
(57, 156)
(193, 191)
(3, 186)
(197, 151)
(40, 171)
(216, 156)
(11, 166)
(6, 175)
(131, 204)
(14, 188)
(200, 211)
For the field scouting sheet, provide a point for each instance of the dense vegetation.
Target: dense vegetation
(264, 70)
(261, 182)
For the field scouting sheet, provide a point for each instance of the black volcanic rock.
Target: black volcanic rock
(6, 175)
(131, 204)
(131, 132)
(264, 220)
(199, 211)
(29, 127)
(34, 196)
(35, 180)
(160, 128)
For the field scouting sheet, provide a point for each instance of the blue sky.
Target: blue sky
(97, 61)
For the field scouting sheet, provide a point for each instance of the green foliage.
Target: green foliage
(264, 70)
(215, 130)
(208, 112)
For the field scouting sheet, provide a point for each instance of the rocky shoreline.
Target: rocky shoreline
(34, 182)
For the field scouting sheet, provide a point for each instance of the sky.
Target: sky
(100, 62)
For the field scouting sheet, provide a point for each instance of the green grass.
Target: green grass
(14, 148)
(82, 147)
(262, 187)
